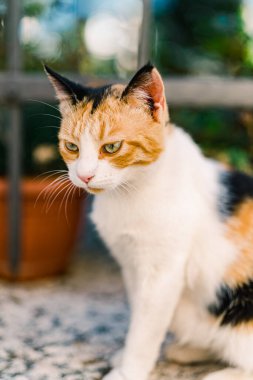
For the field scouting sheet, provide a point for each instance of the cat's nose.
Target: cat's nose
(85, 179)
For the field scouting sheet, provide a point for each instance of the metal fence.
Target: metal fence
(17, 87)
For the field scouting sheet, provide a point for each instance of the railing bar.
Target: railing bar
(182, 91)
(14, 189)
(13, 45)
(144, 37)
(14, 138)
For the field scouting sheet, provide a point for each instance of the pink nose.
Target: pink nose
(85, 179)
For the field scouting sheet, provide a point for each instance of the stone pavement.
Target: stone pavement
(68, 327)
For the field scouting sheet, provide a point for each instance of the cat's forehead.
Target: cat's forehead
(102, 113)
(99, 95)
(100, 99)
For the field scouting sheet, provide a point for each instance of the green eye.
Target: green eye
(112, 148)
(71, 147)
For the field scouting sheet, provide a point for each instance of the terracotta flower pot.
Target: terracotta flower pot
(48, 237)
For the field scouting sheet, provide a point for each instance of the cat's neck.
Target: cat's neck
(181, 156)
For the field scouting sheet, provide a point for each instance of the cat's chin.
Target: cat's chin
(93, 190)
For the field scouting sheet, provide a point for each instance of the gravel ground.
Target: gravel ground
(68, 327)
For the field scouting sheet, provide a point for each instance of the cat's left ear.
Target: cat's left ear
(147, 86)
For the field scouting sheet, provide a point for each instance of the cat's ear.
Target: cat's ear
(147, 86)
(67, 92)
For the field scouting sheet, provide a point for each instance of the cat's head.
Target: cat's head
(109, 133)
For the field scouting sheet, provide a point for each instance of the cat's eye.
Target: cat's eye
(71, 147)
(112, 148)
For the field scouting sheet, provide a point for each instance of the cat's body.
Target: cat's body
(186, 204)
(179, 225)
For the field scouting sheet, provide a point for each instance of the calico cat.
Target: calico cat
(180, 225)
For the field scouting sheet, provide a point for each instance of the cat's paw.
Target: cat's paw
(115, 374)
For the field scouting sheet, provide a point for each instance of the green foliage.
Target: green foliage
(69, 56)
(207, 37)
(223, 134)
(204, 36)
(189, 37)
(33, 8)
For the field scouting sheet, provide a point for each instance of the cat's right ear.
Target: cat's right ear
(147, 86)
(68, 93)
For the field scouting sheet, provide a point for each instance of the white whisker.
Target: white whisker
(54, 172)
(47, 104)
(71, 190)
(51, 191)
(57, 194)
(50, 126)
(47, 114)
(63, 199)
(46, 187)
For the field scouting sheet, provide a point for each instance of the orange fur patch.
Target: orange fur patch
(240, 231)
(115, 120)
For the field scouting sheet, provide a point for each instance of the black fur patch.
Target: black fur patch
(77, 92)
(234, 306)
(97, 95)
(239, 187)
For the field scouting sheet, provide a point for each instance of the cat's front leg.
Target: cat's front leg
(158, 288)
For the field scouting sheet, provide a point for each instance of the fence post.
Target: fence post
(14, 137)
(145, 33)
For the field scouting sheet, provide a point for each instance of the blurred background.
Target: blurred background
(204, 50)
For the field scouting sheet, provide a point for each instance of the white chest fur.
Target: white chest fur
(173, 213)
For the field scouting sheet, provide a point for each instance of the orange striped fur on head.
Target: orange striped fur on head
(135, 115)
